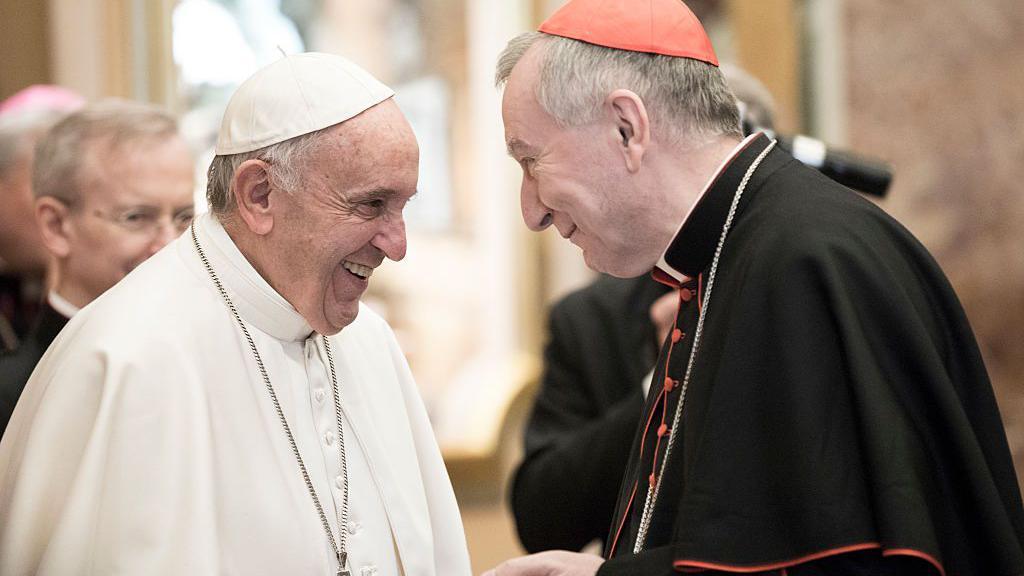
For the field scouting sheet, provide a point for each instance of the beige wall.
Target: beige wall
(767, 37)
(23, 43)
(117, 48)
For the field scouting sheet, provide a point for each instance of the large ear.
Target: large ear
(629, 114)
(54, 225)
(253, 189)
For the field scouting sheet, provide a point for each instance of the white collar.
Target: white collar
(257, 302)
(662, 263)
(61, 304)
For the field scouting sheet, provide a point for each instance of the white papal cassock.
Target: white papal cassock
(146, 441)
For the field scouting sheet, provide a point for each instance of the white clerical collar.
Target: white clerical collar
(663, 264)
(257, 302)
(61, 304)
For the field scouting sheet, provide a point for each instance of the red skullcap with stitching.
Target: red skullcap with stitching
(665, 27)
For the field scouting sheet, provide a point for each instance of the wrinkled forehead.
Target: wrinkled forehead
(521, 84)
(377, 147)
(520, 99)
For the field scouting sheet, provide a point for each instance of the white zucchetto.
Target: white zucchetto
(296, 95)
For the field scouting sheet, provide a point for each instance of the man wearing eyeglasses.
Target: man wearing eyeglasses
(113, 184)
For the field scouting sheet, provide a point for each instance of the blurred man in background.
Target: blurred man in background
(113, 183)
(24, 118)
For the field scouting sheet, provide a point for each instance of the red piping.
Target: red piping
(611, 550)
(684, 564)
(916, 554)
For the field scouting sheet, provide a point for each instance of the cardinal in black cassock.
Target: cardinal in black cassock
(821, 406)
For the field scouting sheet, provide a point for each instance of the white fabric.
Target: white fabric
(810, 151)
(645, 384)
(296, 95)
(146, 442)
(61, 304)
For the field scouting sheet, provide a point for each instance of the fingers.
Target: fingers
(663, 314)
(522, 566)
(551, 563)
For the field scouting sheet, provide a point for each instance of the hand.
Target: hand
(663, 314)
(551, 563)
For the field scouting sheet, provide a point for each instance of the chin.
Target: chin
(342, 316)
(620, 268)
(599, 264)
(624, 273)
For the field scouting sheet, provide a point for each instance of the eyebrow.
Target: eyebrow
(380, 193)
(515, 145)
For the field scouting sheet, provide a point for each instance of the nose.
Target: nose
(391, 239)
(165, 232)
(536, 215)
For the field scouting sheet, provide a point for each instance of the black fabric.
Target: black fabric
(861, 563)
(19, 305)
(838, 397)
(601, 345)
(16, 366)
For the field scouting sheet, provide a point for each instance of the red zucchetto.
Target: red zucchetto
(665, 27)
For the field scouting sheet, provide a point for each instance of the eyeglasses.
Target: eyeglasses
(147, 220)
(139, 219)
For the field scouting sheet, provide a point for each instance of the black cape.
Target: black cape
(17, 365)
(838, 401)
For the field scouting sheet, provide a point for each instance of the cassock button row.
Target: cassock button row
(329, 437)
(669, 384)
(677, 335)
(685, 294)
(319, 394)
(662, 430)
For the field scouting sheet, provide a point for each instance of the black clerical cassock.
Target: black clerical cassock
(838, 418)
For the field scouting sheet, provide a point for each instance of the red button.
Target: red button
(677, 335)
(685, 294)
(669, 384)
(662, 430)
(652, 480)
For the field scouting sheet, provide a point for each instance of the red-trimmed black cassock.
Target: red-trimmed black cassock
(838, 418)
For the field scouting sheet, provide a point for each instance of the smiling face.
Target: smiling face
(347, 217)
(576, 179)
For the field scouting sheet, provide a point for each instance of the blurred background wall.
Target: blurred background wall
(936, 88)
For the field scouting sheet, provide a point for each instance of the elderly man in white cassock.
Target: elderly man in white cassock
(230, 407)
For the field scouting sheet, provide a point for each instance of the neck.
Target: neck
(76, 294)
(683, 171)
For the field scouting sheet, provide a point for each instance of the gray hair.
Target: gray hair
(111, 125)
(19, 132)
(286, 158)
(685, 98)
